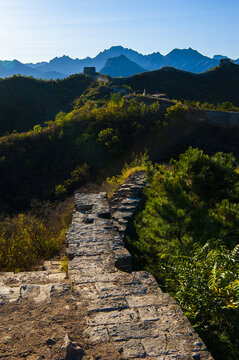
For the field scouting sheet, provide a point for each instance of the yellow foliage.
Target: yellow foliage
(65, 264)
(26, 239)
(140, 163)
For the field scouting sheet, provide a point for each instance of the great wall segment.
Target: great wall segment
(122, 307)
(223, 119)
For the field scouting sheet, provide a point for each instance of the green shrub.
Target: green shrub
(65, 264)
(60, 192)
(78, 176)
(225, 106)
(187, 236)
(177, 112)
(23, 241)
(37, 128)
(140, 163)
(27, 239)
(109, 139)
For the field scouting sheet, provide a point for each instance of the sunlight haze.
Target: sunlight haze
(33, 30)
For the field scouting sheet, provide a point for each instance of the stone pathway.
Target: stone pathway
(123, 307)
(126, 307)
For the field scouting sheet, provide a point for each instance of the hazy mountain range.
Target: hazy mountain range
(121, 66)
(116, 61)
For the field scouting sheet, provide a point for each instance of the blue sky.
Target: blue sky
(33, 30)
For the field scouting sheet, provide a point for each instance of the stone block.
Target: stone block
(133, 330)
(132, 349)
(112, 317)
(148, 313)
(109, 304)
(148, 280)
(104, 214)
(115, 290)
(97, 333)
(174, 345)
(84, 208)
(8, 293)
(145, 299)
(36, 293)
(123, 260)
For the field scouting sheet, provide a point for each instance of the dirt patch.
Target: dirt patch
(26, 326)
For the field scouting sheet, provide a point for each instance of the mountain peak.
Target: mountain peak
(184, 51)
(187, 59)
(219, 57)
(117, 47)
(121, 66)
(62, 58)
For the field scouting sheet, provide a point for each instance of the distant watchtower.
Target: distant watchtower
(225, 62)
(89, 70)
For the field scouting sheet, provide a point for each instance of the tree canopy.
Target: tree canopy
(187, 235)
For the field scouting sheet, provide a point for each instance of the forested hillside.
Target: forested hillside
(216, 85)
(49, 162)
(25, 101)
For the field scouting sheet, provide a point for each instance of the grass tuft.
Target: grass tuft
(140, 163)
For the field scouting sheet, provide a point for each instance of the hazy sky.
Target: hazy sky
(33, 30)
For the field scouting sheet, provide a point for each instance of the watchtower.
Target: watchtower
(89, 70)
(225, 62)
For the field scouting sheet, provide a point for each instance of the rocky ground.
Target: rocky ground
(34, 331)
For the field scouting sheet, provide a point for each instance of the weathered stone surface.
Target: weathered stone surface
(97, 333)
(132, 349)
(134, 330)
(128, 308)
(124, 307)
(108, 304)
(148, 313)
(112, 317)
(35, 285)
(168, 344)
(110, 289)
(149, 299)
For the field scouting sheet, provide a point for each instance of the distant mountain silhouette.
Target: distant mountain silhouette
(66, 65)
(35, 66)
(184, 59)
(145, 61)
(121, 66)
(189, 60)
(219, 57)
(63, 64)
(9, 68)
